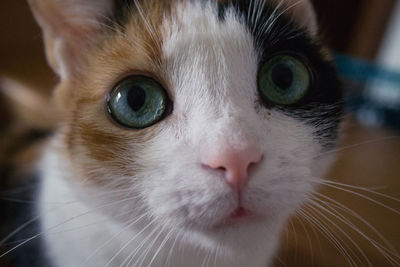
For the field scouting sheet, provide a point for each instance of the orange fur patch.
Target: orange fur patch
(136, 49)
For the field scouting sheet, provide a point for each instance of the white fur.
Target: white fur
(211, 67)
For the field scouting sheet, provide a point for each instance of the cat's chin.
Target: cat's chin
(239, 225)
(238, 235)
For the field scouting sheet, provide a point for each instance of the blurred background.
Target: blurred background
(365, 38)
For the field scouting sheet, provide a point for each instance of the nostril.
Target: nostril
(207, 166)
(253, 164)
(221, 169)
(257, 159)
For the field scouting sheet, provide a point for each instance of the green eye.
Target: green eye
(284, 80)
(137, 102)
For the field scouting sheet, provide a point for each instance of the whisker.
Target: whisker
(19, 245)
(216, 254)
(149, 28)
(97, 194)
(282, 262)
(168, 260)
(167, 236)
(316, 207)
(308, 238)
(133, 254)
(251, 13)
(206, 259)
(149, 247)
(340, 149)
(295, 240)
(130, 223)
(326, 181)
(16, 200)
(69, 230)
(17, 190)
(364, 197)
(316, 236)
(276, 17)
(265, 28)
(341, 218)
(259, 8)
(336, 241)
(359, 217)
(20, 228)
(128, 243)
(387, 253)
(57, 225)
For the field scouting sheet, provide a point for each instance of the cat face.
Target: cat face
(207, 116)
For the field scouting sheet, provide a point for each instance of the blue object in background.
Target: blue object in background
(373, 91)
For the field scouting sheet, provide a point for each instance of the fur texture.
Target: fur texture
(114, 196)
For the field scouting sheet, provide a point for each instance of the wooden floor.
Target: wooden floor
(370, 158)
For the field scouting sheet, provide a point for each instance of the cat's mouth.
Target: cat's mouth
(238, 217)
(240, 213)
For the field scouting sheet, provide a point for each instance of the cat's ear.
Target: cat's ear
(68, 28)
(303, 14)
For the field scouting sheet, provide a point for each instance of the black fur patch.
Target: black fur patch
(121, 11)
(323, 106)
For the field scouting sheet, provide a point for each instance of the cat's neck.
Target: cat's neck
(78, 235)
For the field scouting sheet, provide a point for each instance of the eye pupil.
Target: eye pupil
(282, 76)
(136, 98)
(137, 102)
(284, 80)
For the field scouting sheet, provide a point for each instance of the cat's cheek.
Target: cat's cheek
(322, 165)
(189, 197)
(280, 193)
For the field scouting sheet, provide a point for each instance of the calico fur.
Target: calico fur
(114, 196)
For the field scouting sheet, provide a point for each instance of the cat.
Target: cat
(189, 131)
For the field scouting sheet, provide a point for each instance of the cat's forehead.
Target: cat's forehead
(301, 11)
(209, 58)
(158, 34)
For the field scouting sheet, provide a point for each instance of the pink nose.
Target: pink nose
(235, 164)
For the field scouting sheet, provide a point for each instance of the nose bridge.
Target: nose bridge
(223, 121)
(231, 130)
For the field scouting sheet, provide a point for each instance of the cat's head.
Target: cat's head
(207, 116)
